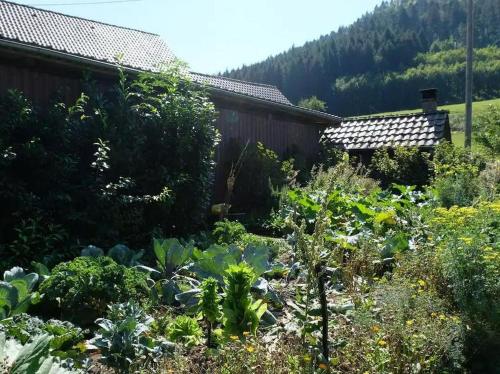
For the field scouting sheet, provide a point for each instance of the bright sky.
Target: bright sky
(212, 35)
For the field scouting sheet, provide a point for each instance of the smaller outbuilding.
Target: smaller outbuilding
(363, 135)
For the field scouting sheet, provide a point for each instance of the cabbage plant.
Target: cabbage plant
(16, 292)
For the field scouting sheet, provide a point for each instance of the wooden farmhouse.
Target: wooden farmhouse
(44, 52)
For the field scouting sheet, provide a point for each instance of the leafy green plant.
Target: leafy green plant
(34, 357)
(123, 338)
(81, 289)
(65, 338)
(185, 330)
(241, 312)
(16, 292)
(122, 254)
(170, 254)
(487, 130)
(228, 232)
(210, 305)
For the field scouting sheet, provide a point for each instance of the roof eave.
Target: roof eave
(320, 117)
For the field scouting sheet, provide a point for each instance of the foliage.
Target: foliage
(487, 130)
(33, 358)
(16, 292)
(185, 330)
(401, 165)
(120, 253)
(456, 179)
(81, 289)
(468, 255)
(241, 313)
(170, 254)
(313, 103)
(123, 338)
(261, 169)
(375, 58)
(210, 305)
(106, 168)
(228, 232)
(65, 338)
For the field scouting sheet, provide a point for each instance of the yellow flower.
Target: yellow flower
(409, 322)
(246, 333)
(433, 314)
(382, 343)
(375, 328)
(234, 337)
(250, 348)
(466, 240)
(421, 283)
(323, 366)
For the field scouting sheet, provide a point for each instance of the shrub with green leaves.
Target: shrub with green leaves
(487, 130)
(185, 330)
(401, 165)
(114, 166)
(81, 289)
(241, 312)
(456, 180)
(228, 232)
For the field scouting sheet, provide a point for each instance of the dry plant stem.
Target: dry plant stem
(324, 310)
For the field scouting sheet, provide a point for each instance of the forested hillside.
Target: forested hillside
(401, 46)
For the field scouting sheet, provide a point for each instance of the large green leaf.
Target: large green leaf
(257, 257)
(15, 273)
(8, 296)
(29, 358)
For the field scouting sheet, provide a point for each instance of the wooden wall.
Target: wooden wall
(239, 120)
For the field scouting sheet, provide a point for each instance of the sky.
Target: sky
(215, 35)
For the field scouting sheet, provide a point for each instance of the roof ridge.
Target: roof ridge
(77, 17)
(374, 116)
(237, 80)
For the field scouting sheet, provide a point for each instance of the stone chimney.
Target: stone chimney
(429, 100)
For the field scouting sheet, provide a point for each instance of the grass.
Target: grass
(456, 110)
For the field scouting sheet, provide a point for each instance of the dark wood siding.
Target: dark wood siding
(239, 119)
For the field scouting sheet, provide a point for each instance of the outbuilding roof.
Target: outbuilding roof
(69, 36)
(423, 130)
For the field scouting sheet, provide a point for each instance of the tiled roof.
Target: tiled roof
(102, 42)
(81, 37)
(423, 130)
(262, 91)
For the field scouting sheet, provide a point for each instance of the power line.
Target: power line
(86, 3)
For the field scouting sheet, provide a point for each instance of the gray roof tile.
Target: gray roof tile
(415, 129)
(103, 43)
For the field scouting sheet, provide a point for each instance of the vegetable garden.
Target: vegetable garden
(343, 277)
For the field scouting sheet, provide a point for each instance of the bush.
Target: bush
(228, 232)
(487, 130)
(261, 170)
(115, 166)
(468, 257)
(456, 180)
(81, 289)
(402, 165)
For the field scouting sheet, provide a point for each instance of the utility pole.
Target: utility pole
(468, 74)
